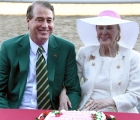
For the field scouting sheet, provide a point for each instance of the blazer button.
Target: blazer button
(118, 66)
(55, 55)
(93, 64)
(119, 83)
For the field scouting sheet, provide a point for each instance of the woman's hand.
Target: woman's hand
(99, 104)
(64, 100)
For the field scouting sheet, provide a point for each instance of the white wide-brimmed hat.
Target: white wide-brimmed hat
(86, 29)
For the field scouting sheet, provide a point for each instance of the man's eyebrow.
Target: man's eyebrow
(49, 18)
(39, 18)
(43, 17)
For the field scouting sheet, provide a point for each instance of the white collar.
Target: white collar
(34, 46)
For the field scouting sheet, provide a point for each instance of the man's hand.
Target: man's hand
(64, 100)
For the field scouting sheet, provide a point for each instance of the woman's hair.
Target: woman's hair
(29, 13)
(118, 27)
(119, 37)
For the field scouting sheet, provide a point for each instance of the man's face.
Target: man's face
(41, 25)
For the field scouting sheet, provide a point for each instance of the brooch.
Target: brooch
(91, 57)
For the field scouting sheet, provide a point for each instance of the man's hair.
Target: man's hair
(29, 13)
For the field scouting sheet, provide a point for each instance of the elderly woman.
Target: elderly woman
(109, 67)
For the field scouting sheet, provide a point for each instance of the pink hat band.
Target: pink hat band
(109, 13)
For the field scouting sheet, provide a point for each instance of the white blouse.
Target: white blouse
(102, 84)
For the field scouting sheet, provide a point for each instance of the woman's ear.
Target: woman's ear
(118, 37)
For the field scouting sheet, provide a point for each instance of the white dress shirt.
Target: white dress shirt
(29, 100)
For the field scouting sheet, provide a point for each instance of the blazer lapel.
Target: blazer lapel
(52, 58)
(23, 55)
(51, 62)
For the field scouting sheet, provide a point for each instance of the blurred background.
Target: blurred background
(13, 19)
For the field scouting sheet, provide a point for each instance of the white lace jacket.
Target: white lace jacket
(124, 76)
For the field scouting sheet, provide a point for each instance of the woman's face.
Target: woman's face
(107, 34)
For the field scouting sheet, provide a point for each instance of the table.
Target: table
(125, 116)
(19, 114)
(23, 114)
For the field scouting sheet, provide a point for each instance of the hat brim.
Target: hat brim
(86, 29)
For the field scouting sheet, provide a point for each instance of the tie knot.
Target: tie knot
(40, 49)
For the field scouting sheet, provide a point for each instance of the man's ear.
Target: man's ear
(27, 20)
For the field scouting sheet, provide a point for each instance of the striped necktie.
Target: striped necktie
(43, 99)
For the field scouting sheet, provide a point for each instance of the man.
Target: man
(19, 64)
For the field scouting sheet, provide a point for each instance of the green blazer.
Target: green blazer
(14, 66)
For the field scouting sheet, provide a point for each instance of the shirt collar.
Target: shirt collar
(34, 46)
